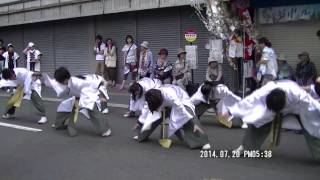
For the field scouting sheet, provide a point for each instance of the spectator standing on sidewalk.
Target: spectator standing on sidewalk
(181, 72)
(146, 61)
(11, 57)
(268, 66)
(98, 52)
(130, 60)
(306, 71)
(285, 71)
(163, 69)
(214, 71)
(33, 57)
(110, 54)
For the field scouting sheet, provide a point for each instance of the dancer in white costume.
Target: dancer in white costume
(263, 111)
(182, 120)
(29, 88)
(85, 91)
(217, 96)
(137, 91)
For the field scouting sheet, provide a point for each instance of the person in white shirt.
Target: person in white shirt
(10, 57)
(29, 88)
(268, 66)
(33, 57)
(110, 54)
(130, 60)
(99, 52)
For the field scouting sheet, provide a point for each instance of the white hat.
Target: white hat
(282, 57)
(211, 59)
(10, 45)
(30, 44)
(145, 44)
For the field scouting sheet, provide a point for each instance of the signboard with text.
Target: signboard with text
(192, 56)
(289, 13)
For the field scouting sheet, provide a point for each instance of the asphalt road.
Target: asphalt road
(53, 155)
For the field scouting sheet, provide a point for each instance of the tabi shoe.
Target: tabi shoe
(135, 137)
(206, 147)
(244, 126)
(8, 116)
(107, 133)
(105, 111)
(61, 127)
(43, 120)
(129, 114)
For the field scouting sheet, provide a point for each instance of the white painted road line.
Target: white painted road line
(20, 127)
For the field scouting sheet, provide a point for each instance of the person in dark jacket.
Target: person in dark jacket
(306, 71)
(163, 69)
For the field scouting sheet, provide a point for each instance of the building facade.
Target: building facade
(64, 30)
(291, 26)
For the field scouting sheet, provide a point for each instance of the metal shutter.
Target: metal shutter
(161, 28)
(14, 35)
(42, 35)
(71, 41)
(190, 20)
(293, 38)
(117, 27)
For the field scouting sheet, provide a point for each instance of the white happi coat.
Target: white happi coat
(23, 77)
(221, 92)
(253, 108)
(146, 84)
(87, 90)
(175, 98)
(313, 93)
(37, 54)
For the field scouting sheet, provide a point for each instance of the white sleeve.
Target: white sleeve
(38, 53)
(197, 97)
(251, 103)
(5, 55)
(265, 55)
(16, 56)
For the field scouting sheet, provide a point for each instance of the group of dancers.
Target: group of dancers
(276, 105)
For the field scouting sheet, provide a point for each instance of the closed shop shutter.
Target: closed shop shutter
(293, 38)
(190, 20)
(117, 27)
(42, 35)
(161, 28)
(14, 35)
(71, 42)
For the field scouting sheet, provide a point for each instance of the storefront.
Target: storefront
(70, 42)
(292, 29)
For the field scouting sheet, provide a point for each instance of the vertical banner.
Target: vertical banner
(216, 50)
(192, 55)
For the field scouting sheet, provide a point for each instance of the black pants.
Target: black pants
(32, 66)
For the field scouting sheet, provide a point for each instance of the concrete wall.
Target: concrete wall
(47, 10)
